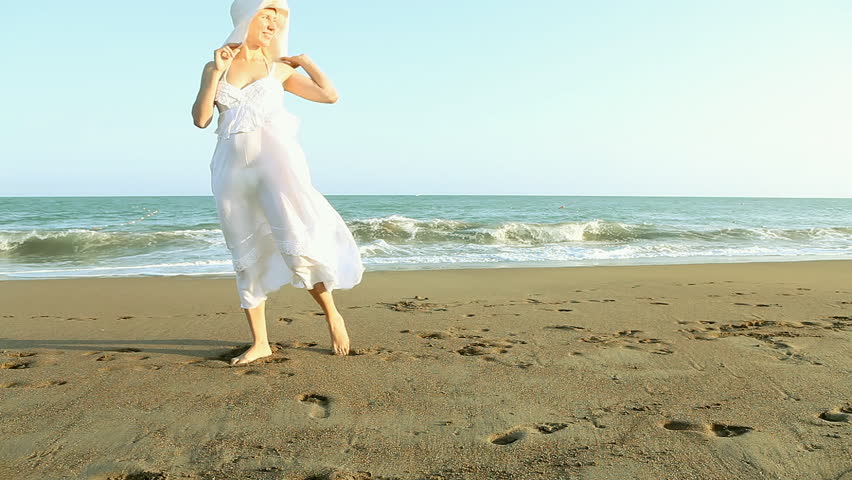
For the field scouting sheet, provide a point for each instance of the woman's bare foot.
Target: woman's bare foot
(339, 337)
(253, 353)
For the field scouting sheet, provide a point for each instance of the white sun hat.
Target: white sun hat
(242, 13)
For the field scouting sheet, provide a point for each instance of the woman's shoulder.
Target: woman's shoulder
(281, 68)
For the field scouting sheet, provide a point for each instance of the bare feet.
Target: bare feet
(339, 337)
(253, 353)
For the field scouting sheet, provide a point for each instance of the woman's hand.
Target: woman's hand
(296, 61)
(224, 56)
(315, 87)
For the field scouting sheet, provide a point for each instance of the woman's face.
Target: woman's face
(263, 27)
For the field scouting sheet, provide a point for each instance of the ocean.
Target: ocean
(67, 237)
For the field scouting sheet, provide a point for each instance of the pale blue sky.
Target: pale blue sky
(563, 97)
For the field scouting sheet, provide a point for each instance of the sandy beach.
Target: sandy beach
(711, 371)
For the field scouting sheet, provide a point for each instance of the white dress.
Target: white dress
(277, 226)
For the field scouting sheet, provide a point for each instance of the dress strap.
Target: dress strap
(225, 75)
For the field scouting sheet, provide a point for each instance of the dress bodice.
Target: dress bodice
(248, 108)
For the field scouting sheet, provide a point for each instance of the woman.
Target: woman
(277, 226)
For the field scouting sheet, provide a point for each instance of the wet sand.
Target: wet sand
(714, 371)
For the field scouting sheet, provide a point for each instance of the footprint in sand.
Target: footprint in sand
(138, 368)
(520, 432)
(565, 327)
(374, 350)
(654, 302)
(840, 322)
(768, 332)
(41, 384)
(816, 323)
(838, 415)
(509, 438)
(715, 429)
(15, 364)
(415, 305)
(319, 404)
(139, 475)
(536, 301)
(435, 335)
(628, 339)
(475, 349)
(296, 344)
(19, 354)
(488, 347)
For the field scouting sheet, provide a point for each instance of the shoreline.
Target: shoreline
(507, 266)
(711, 371)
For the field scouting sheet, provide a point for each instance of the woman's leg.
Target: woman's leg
(336, 327)
(260, 342)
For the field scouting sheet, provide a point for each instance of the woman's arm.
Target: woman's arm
(317, 88)
(202, 109)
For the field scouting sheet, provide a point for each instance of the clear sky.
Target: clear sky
(561, 97)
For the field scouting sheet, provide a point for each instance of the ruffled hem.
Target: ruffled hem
(297, 248)
(295, 281)
(270, 264)
(305, 272)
